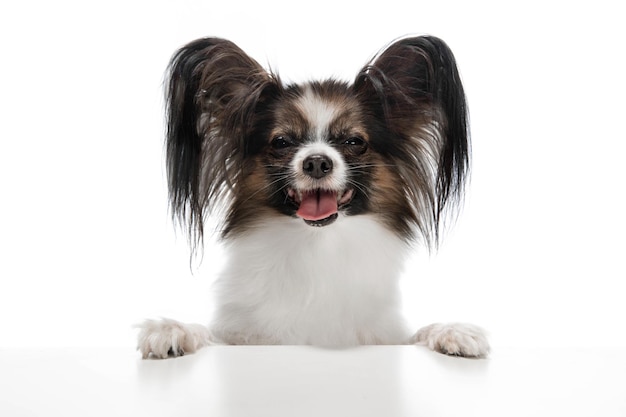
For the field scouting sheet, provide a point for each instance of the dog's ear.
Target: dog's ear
(212, 92)
(414, 87)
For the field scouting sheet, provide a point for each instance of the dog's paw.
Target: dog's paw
(456, 339)
(168, 338)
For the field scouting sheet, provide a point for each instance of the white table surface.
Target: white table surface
(306, 381)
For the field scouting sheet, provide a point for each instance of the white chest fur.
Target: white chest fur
(289, 283)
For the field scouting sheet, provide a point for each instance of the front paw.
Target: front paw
(169, 338)
(456, 339)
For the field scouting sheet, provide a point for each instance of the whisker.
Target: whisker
(267, 186)
(277, 177)
(359, 187)
(361, 166)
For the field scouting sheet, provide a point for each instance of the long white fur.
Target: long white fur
(290, 283)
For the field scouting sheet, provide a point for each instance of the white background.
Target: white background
(87, 246)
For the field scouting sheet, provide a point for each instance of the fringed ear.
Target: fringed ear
(213, 89)
(414, 87)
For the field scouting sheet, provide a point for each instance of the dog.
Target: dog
(322, 190)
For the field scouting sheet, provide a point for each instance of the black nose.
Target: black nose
(317, 166)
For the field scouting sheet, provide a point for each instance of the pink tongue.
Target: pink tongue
(317, 205)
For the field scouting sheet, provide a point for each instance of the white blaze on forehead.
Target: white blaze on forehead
(318, 112)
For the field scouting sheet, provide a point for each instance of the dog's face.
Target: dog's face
(315, 157)
(317, 154)
(392, 144)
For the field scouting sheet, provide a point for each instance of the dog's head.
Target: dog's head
(394, 143)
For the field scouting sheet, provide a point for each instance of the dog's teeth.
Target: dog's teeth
(345, 197)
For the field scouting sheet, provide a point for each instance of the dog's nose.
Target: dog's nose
(317, 166)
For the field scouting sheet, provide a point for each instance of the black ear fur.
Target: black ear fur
(213, 88)
(415, 87)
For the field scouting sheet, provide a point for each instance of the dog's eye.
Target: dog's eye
(355, 144)
(281, 142)
(354, 141)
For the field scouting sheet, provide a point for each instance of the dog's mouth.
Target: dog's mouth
(319, 207)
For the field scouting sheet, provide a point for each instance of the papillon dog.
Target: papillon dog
(322, 190)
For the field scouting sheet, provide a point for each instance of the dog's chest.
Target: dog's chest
(297, 275)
